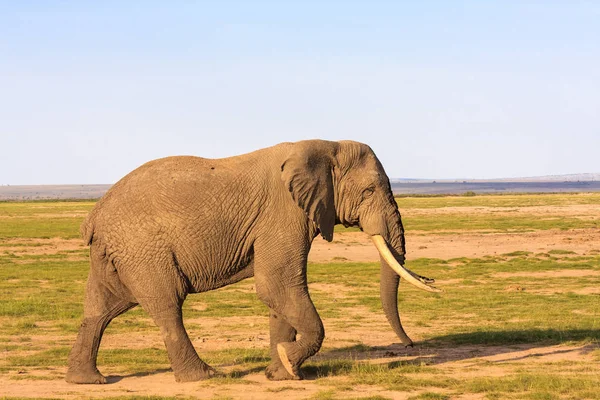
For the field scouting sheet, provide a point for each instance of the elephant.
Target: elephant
(183, 224)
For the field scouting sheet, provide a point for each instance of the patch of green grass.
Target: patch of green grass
(509, 200)
(368, 398)
(393, 380)
(124, 360)
(430, 396)
(532, 385)
(43, 208)
(42, 219)
(44, 291)
(32, 377)
(233, 378)
(232, 300)
(323, 395)
(395, 375)
(66, 228)
(498, 337)
(237, 356)
(560, 252)
(53, 357)
(517, 254)
(28, 244)
(521, 223)
(284, 389)
(540, 385)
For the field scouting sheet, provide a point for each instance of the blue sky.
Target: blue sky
(439, 89)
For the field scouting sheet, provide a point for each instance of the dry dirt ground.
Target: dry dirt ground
(464, 360)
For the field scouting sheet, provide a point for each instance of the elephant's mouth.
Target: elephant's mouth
(414, 279)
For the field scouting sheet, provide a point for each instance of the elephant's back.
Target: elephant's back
(157, 186)
(133, 197)
(172, 197)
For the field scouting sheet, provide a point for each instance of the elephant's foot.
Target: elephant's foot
(277, 372)
(195, 373)
(85, 376)
(287, 355)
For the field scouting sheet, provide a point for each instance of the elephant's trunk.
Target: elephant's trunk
(389, 300)
(392, 268)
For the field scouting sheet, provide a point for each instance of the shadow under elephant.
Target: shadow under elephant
(453, 348)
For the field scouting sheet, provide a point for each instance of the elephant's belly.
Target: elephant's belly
(215, 281)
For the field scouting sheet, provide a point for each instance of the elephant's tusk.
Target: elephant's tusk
(387, 255)
(423, 279)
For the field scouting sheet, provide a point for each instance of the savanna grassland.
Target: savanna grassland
(519, 317)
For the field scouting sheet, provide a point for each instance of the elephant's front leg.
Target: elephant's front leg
(280, 332)
(284, 290)
(300, 312)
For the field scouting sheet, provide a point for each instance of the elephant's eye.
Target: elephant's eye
(368, 192)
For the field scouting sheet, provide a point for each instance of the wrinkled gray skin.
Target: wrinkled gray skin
(182, 225)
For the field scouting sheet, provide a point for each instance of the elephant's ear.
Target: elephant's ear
(308, 175)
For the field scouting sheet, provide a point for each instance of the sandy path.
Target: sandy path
(22, 246)
(255, 386)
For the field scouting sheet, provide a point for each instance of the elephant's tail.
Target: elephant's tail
(86, 230)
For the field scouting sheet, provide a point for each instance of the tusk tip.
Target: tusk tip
(414, 279)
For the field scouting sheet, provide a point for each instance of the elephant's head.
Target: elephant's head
(344, 183)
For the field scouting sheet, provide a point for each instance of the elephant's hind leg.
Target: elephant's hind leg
(105, 299)
(161, 293)
(186, 364)
(82, 359)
